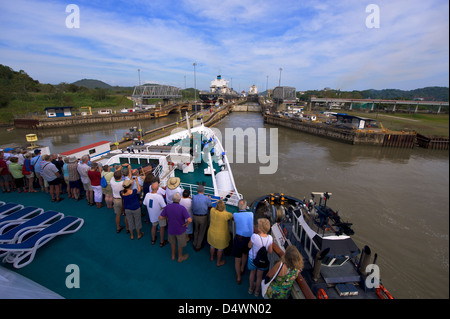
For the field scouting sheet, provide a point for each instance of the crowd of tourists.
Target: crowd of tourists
(135, 195)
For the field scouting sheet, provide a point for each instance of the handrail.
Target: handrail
(211, 192)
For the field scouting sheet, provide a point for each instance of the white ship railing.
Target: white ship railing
(232, 199)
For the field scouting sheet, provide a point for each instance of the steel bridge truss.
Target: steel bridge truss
(156, 92)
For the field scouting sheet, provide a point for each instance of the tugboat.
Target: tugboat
(132, 134)
(332, 268)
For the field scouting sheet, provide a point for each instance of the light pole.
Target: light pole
(279, 81)
(139, 73)
(195, 87)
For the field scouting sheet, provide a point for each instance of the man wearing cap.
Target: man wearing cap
(7, 153)
(173, 186)
(201, 204)
(36, 162)
(51, 174)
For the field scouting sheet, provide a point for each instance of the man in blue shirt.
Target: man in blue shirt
(201, 204)
(244, 230)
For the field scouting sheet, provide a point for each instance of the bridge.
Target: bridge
(330, 101)
(143, 93)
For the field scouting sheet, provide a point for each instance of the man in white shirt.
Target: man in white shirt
(83, 169)
(155, 204)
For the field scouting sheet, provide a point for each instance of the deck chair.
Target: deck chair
(18, 217)
(9, 208)
(40, 221)
(22, 253)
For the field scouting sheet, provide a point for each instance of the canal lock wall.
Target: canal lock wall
(353, 137)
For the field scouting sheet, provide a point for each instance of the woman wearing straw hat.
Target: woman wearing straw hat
(173, 186)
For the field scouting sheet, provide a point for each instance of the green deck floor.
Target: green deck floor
(113, 266)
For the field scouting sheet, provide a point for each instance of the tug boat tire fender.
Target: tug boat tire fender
(383, 293)
(321, 294)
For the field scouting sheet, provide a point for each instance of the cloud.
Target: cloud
(317, 44)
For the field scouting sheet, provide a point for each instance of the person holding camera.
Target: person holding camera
(132, 207)
(95, 177)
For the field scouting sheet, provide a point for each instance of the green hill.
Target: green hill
(92, 84)
(435, 93)
(431, 93)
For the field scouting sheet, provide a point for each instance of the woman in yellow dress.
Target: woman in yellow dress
(218, 232)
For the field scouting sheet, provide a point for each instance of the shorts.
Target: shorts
(87, 186)
(55, 182)
(180, 239)
(39, 177)
(31, 175)
(74, 184)
(19, 182)
(134, 218)
(240, 246)
(107, 190)
(5, 178)
(251, 265)
(160, 222)
(118, 205)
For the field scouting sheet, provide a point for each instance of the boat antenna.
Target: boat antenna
(140, 132)
(116, 143)
(188, 124)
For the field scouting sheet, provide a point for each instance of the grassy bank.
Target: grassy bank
(35, 103)
(425, 124)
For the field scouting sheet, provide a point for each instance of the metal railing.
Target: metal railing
(231, 199)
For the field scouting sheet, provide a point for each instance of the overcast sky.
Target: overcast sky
(316, 43)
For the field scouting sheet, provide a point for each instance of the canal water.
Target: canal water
(396, 199)
(65, 139)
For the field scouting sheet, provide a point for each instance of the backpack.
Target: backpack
(103, 182)
(24, 170)
(261, 259)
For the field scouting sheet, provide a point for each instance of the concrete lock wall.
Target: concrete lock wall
(344, 135)
(246, 108)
